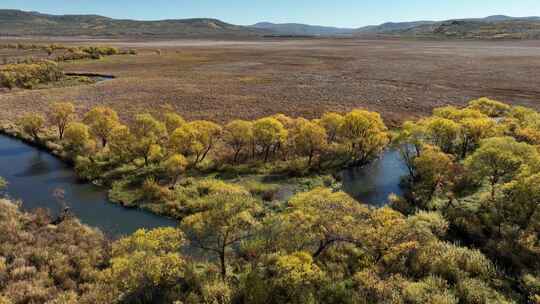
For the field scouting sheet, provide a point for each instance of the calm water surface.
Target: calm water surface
(372, 184)
(35, 177)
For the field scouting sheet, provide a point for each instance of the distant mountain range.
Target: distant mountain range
(22, 23)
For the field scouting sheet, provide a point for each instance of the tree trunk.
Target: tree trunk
(494, 181)
(197, 158)
(206, 153)
(321, 248)
(236, 153)
(266, 153)
(223, 265)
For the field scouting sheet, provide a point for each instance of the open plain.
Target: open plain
(222, 80)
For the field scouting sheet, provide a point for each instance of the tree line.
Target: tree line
(354, 138)
(29, 75)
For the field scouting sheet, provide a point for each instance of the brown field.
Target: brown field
(222, 80)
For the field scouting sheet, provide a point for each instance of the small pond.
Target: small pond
(372, 184)
(36, 178)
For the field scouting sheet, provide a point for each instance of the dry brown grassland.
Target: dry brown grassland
(222, 80)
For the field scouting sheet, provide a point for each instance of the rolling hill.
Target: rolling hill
(302, 29)
(21, 23)
(492, 27)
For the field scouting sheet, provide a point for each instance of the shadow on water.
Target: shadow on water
(35, 176)
(36, 166)
(372, 184)
(14, 151)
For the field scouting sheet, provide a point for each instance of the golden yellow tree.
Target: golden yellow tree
(227, 220)
(365, 134)
(173, 121)
(175, 166)
(332, 123)
(308, 138)
(196, 138)
(269, 133)
(32, 124)
(60, 114)
(101, 120)
(76, 136)
(238, 135)
(148, 133)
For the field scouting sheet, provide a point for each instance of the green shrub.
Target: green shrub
(29, 75)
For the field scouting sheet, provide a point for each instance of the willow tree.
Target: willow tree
(175, 166)
(60, 115)
(145, 266)
(268, 133)
(365, 134)
(474, 130)
(431, 170)
(332, 123)
(489, 107)
(411, 139)
(196, 138)
(173, 121)
(285, 278)
(238, 135)
(499, 159)
(227, 220)
(101, 120)
(308, 139)
(319, 219)
(121, 142)
(520, 207)
(148, 133)
(442, 132)
(77, 136)
(32, 124)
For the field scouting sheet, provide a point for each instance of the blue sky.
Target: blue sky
(345, 13)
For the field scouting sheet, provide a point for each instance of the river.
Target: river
(40, 180)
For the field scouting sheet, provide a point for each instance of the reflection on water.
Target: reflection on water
(372, 184)
(35, 176)
(36, 166)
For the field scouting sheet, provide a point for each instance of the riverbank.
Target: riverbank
(40, 180)
(12, 131)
